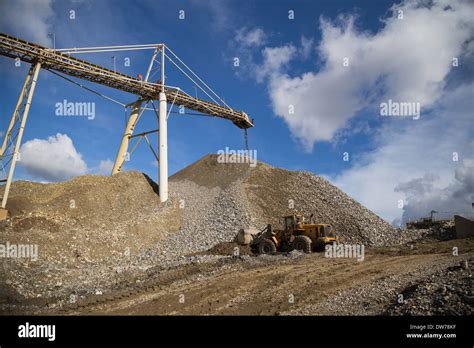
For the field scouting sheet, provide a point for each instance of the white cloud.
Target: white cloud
(407, 60)
(105, 167)
(250, 37)
(274, 60)
(414, 163)
(53, 159)
(221, 14)
(456, 198)
(307, 46)
(28, 19)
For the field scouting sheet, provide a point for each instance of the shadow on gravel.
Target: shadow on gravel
(153, 184)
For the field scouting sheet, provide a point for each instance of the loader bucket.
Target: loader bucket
(245, 237)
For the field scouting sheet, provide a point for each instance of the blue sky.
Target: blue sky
(335, 111)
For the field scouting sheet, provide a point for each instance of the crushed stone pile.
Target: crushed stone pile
(82, 228)
(217, 199)
(275, 191)
(90, 216)
(445, 230)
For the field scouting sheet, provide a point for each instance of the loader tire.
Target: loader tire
(266, 246)
(302, 243)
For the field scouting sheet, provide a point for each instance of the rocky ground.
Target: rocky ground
(102, 235)
(447, 291)
(299, 284)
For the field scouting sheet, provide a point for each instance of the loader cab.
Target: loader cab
(292, 222)
(289, 222)
(325, 230)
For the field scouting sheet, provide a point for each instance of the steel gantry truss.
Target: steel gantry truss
(9, 152)
(61, 61)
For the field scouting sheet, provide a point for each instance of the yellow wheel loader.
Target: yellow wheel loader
(295, 235)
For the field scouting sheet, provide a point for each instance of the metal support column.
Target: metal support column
(15, 115)
(132, 121)
(163, 149)
(163, 135)
(155, 53)
(33, 75)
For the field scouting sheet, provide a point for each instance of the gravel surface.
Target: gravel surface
(448, 291)
(441, 287)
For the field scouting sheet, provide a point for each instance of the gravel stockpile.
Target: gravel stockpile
(218, 199)
(209, 216)
(89, 218)
(444, 231)
(274, 191)
(353, 222)
(83, 228)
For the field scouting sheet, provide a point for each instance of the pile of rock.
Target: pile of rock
(209, 216)
(444, 230)
(217, 199)
(353, 222)
(83, 229)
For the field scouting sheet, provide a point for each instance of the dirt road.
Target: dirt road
(307, 284)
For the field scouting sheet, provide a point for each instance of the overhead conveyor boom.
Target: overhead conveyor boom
(72, 66)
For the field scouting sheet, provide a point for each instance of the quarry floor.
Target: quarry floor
(300, 285)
